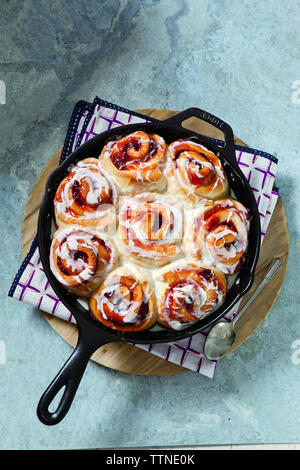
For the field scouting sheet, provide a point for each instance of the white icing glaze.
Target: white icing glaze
(181, 168)
(99, 184)
(187, 291)
(144, 163)
(214, 249)
(70, 241)
(172, 224)
(117, 297)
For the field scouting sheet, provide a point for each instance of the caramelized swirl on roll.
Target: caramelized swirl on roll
(188, 292)
(150, 228)
(218, 235)
(136, 161)
(86, 197)
(80, 258)
(124, 301)
(194, 173)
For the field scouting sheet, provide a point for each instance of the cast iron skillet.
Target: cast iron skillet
(92, 334)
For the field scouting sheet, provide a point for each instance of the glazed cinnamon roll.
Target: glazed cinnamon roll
(124, 301)
(87, 197)
(150, 229)
(218, 235)
(136, 161)
(188, 292)
(194, 173)
(80, 258)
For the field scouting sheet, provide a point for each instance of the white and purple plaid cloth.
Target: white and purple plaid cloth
(89, 119)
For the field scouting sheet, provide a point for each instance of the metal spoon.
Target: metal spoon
(221, 337)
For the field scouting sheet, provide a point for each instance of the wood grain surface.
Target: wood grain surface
(127, 358)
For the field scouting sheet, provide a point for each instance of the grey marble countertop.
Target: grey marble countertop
(239, 60)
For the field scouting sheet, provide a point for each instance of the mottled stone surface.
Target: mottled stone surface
(238, 60)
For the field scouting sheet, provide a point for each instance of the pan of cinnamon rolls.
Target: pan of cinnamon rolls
(147, 233)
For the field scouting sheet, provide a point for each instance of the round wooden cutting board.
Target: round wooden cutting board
(127, 358)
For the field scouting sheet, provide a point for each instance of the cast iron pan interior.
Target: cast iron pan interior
(92, 334)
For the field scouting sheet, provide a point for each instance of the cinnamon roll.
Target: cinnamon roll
(194, 173)
(136, 161)
(150, 229)
(218, 235)
(188, 292)
(124, 301)
(80, 258)
(87, 197)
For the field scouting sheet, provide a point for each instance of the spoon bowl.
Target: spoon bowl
(220, 340)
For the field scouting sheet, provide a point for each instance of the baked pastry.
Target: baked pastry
(124, 301)
(86, 197)
(136, 161)
(150, 229)
(218, 235)
(80, 258)
(194, 173)
(188, 292)
(174, 220)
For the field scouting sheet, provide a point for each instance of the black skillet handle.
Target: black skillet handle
(69, 377)
(178, 119)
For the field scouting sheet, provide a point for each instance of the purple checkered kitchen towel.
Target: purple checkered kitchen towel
(89, 119)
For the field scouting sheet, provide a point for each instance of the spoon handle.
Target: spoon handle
(274, 267)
